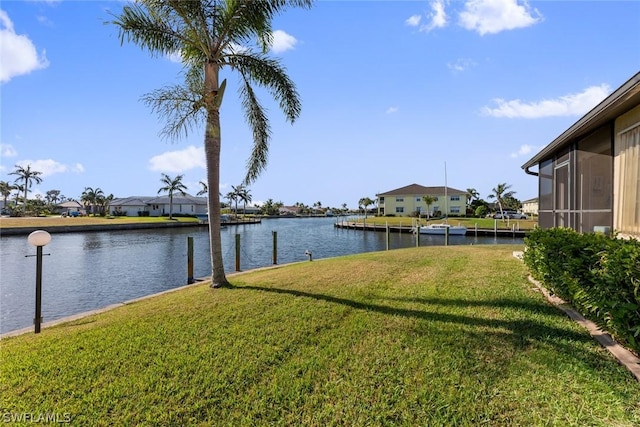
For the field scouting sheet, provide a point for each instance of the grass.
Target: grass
(486, 223)
(53, 221)
(419, 336)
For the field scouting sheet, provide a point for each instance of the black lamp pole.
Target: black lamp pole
(38, 319)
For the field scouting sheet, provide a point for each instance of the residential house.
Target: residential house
(407, 201)
(289, 210)
(69, 206)
(589, 176)
(158, 206)
(530, 207)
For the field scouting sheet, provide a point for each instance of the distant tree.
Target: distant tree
(365, 202)
(481, 211)
(244, 194)
(428, 199)
(90, 198)
(500, 193)
(172, 185)
(270, 208)
(5, 191)
(231, 196)
(211, 36)
(204, 190)
(511, 203)
(103, 203)
(236, 195)
(472, 194)
(52, 197)
(27, 177)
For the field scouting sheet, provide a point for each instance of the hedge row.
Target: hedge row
(598, 275)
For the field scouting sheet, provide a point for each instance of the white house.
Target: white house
(158, 206)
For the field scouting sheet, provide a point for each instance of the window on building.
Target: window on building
(455, 198)
(399, 209)
(594, 181)
(628, 182)
(418, 199)
(381, 200)
(455, 209)
(399, 199)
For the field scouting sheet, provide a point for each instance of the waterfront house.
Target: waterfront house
(158, 206)
(407, 201)
(530, 207)
(589, 176)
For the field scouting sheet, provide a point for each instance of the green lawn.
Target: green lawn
(427, 336)
(520, 224)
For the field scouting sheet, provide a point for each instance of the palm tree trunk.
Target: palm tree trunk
(212, 144)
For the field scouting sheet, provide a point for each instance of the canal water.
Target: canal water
(86, 271)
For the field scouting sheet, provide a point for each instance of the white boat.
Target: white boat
(441, 229)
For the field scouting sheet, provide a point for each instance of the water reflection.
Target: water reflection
(85, 271)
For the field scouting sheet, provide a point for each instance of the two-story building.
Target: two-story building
(589, 176)
(408, 201)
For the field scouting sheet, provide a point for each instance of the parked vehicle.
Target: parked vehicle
(517, 215)
(509, 215)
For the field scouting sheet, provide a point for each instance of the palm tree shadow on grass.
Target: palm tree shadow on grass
(523, 332)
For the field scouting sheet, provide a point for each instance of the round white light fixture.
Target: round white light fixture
(39, 238)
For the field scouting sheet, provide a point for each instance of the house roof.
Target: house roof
(419, 190)
(619, 102)
(534, 200)
(158, 200)
(70, 204)
(130, 201)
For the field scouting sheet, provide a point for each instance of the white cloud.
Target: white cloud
(437, 17)
(18, 55)
(413, 21)
(524, 150)
(282, 42)
(392, 110)
(494, 16)
(461, 64)
(576, 104)
(7, 150)
(46, 166)
(178, 161)
(175, 57)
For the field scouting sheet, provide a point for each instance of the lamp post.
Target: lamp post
(39, 238)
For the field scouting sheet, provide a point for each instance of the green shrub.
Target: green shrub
(597, 274)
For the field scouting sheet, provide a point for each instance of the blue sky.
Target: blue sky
(391, 91)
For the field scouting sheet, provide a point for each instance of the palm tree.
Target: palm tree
(212, 35)
(52, 197)
(245, 195)
(235, 195)
(28, 177)
(203, 190)
(472, 195)
(500, 193)
(172, 185)
(5, 192)
(428, 199)
(365, 202)
(90, 197)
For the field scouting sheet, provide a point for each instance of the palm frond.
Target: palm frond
(259, 123)
(180, 107)
(151, 28)
(269, 73)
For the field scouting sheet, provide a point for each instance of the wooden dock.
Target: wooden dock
(409, 229)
